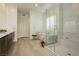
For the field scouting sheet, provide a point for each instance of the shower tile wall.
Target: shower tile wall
(70, 41)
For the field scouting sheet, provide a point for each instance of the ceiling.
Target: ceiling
(26, 7)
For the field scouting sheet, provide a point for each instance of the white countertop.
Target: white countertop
(5, 33)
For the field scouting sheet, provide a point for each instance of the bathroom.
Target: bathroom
(57, 23)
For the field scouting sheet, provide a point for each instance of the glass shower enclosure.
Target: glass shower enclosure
(51, 27)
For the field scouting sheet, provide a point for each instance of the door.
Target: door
(23, 25)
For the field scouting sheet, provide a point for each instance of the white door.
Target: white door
(23, 25)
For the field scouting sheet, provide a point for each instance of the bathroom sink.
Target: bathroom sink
(3, 31)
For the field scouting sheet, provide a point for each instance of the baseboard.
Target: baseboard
(22, 37)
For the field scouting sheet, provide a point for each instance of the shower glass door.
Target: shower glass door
(51, 28)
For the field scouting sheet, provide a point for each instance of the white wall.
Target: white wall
(36, 22)
(23, 25)
(11, 16)
(2, 16)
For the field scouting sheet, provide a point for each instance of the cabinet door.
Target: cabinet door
(0, 46)
(3, 46)
(9, 39)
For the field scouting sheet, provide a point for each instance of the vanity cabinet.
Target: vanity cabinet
(5, 43)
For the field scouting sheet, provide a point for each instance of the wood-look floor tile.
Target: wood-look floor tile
(26, 47)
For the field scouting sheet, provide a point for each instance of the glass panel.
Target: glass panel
(51, 27)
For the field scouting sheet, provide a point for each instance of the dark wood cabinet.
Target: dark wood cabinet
(5, 43)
